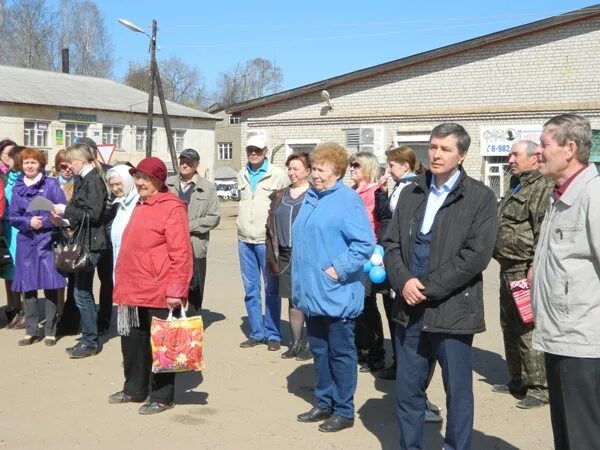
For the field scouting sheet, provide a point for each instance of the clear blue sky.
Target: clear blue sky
(310, 40)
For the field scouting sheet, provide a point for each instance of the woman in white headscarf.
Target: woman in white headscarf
(122, 186)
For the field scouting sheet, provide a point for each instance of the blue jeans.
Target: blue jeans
(84, 299)
(331, 341)
(252, 262)
(414, 348)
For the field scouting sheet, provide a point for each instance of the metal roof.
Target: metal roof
(420, 58)
(39, 87)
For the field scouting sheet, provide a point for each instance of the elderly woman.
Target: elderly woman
(285, 205)
(122, 187)
(152, 275)
(364, 172)
(9, 153)
(34, 262)
(87, 206)
(332, 241)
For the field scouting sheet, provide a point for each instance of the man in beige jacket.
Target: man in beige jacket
(256, 181)
(566, 283)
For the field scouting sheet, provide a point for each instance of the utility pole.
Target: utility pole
(166, 120)
(152, 75)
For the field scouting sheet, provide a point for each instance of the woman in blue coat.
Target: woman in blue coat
(333, 239)
(34, 262)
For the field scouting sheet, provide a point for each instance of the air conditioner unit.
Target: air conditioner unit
(372, 141)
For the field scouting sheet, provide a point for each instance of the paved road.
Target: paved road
(245, 399)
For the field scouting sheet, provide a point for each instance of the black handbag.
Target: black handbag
(5, 256)
(74, 256)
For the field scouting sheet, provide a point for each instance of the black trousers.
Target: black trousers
(574, 390)
(196, 293)
(105, 274)
(69, 316)
(137, 362)
(388, 305)
(369, 331)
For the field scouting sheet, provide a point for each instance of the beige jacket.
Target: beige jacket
(566, 280)
(203, 211)
(254, 206)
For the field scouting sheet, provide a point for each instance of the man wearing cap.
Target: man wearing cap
(104, 268)
(256, 181)
(203, 211)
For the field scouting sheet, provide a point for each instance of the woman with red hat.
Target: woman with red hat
(152, 275)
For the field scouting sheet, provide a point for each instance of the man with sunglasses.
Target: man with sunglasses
(203, 215)
(256, 182)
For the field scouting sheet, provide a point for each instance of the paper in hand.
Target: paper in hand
(40, 203)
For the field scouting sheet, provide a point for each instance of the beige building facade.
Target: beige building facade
(501, 87)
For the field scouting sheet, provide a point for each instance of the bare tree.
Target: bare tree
(83, 31)
(182, 83)
(256, 78)
(27, 35)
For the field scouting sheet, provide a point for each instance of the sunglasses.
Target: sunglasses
(63, 166)
(355, 165)
(255, 150)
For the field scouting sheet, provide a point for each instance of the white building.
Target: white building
(500, 87)
(50, 110)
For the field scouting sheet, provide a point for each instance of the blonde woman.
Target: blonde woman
(89, 199)
(364, 171)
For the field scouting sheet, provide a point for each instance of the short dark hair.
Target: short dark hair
(463, 140)
(6, 143)
(303, 157)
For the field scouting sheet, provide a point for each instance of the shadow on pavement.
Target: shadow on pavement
(284, 328)
(209, 317)
(491, 366)
(185, 383)
(301, 383)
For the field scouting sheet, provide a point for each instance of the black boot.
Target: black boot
(292, 351)
(304, 353)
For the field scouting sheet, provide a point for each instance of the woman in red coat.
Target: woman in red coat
(152, 274)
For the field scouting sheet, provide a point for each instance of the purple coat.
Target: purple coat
(34, 261)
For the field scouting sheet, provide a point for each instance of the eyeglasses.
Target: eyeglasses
(63, 166)
(355, 165)
(256, 150)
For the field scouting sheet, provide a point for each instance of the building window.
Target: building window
(74, 132)
(179, 139)
(225, 150)
(234, 120)
(140, 138)
(497, 174)
(36, 134)
(418, 142)
(112, 135)
(300, 145)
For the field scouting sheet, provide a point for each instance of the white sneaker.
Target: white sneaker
(431, 417)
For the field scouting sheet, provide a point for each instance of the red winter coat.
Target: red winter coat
(155, 259)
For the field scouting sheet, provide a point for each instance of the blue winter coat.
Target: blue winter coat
(10, 233)
(34, 262)
(331, 229)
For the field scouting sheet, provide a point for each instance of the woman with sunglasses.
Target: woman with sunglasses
(364, 172)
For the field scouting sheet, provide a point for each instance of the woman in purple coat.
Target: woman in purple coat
(34, 262)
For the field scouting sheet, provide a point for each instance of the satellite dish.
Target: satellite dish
(326, 98)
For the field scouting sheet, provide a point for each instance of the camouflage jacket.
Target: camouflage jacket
(520, 216)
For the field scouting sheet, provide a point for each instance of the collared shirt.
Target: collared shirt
(436, 200)
(255, 177)
(185, 185)
(86, 169)
(560, 190)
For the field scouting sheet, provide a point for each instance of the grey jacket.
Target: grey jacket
(566, 272)
(203, 211)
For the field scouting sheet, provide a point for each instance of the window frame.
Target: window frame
(32, 139)
(228, 148)
(69, 133)
(119, 144)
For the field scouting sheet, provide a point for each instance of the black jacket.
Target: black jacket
(382, 207)
(89, 197)
(463, 237)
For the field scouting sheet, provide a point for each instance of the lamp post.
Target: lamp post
(155, 78)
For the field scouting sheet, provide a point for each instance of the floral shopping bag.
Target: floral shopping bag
(522, 296)
(177, 343)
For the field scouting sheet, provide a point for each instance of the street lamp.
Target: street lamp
(154, 78)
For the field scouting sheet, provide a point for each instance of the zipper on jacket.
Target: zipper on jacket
(566, 288)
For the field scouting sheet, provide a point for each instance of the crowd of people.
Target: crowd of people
(307, 236)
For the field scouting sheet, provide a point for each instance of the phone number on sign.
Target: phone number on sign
(498, 148)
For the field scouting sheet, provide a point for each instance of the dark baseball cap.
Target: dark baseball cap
(190, 154)
(89, 142)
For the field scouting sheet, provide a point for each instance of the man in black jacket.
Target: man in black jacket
(439, 241)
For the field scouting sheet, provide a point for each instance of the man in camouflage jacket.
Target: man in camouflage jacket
(520, 216)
